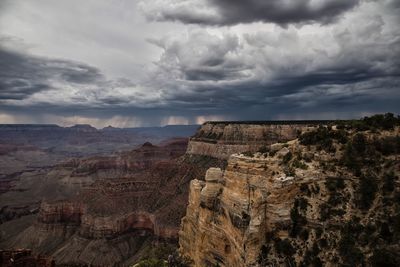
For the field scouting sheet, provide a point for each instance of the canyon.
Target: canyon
(122, 200)
(234, 194)
(55, 204)
(116, 203)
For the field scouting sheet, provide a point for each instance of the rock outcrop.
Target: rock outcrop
(222, 139)
(229, 214)
(325, 200)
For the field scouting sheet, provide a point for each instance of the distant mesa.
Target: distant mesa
(147, 144)
(83, 128)
(110, 128)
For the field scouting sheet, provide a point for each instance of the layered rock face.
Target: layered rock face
(92, 226)
(229, 214)
(329, 199)
(60, 212)
(117, 204)
(125, 163)
(220, 140)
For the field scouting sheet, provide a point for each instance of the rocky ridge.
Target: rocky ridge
(328, 198)
(222, 139)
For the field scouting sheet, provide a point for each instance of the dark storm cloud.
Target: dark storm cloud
(345, 61)
(281, 12)
(342, 64)
(230, 12)
(22, 75)
(19, 89)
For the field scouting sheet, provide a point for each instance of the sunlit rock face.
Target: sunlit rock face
(229, 214)
(220, 140)
(306, 202)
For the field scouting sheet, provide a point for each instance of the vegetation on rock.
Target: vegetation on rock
(356, 203)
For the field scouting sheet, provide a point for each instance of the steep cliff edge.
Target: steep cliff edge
(229, 214)
(121, 207)
(329, 198)
(222, 139)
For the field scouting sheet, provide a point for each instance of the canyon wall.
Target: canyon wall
(117, 206)
(93, 226)
(329, 198)
(60, 212)
(229, 214)
(222, 139)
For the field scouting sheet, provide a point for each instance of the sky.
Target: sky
(130, 63)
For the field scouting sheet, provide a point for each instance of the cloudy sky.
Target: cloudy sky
(157, 62)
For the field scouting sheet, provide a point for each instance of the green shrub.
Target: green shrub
(376, 122)
(289, 171)
(323, 243)
(263, 255)
(324, 212)
(299, 165)
(264, 149)
(317, 262)
(287, 157)
(350, 159)
(302, 204)
(304, 234)
(318, 232)
(284, 247)
(388, 182)
(385, 232)
(389, 145)
(366, 191)
(248, 154)
(335, 199)
(315, 188)
(383, 257)
(305, 190)
(334, 184)
(359, 143)
(385, 122)
(298, 220)
(323, 138)
(352, 255)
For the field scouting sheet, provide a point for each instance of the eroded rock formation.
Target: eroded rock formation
(222, 139)
(123, 201)
(326, 200)
(229, 214)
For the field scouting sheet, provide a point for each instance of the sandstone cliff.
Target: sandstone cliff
(229, 214)
(222, 139)
(327, 199)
